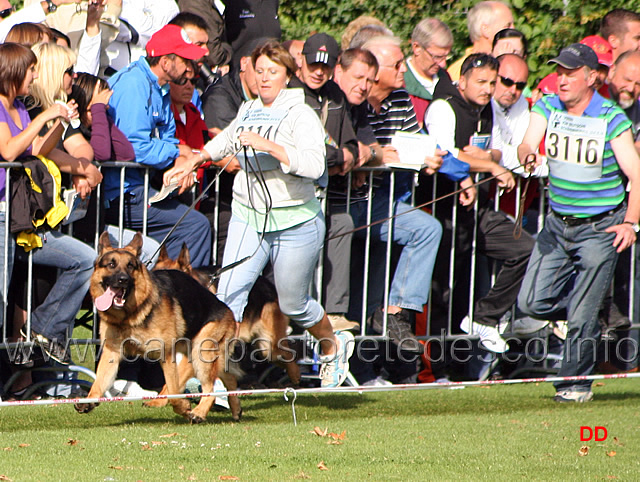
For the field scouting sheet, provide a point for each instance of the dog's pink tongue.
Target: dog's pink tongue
(105, 300)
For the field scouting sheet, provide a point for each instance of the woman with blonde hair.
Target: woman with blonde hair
(53, 85)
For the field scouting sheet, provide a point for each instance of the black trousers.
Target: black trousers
(495, 240)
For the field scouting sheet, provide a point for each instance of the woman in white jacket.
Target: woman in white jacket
(279, 141)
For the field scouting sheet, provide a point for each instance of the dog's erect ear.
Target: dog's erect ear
(104, 243)
(163, 256)
(135, 246)
(184, 259)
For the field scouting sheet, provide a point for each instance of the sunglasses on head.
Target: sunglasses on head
(6, 12)
(477, 61)
(69, 71)
(507, 82)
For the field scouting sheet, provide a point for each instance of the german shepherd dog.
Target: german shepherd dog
(263, 323)
(158, 315)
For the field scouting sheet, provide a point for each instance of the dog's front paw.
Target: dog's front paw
(85, 407)
(193, 418)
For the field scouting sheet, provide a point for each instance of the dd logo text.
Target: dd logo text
(596, 433)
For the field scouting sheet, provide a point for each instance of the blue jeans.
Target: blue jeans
(7, 266)
(293, 253)
(194, 229)
(571, 269)
(56, 315)
(418, 233)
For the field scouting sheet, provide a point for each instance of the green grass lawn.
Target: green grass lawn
(494, 433)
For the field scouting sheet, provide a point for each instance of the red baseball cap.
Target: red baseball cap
(549, 85)
(172, 39)
(601, 47)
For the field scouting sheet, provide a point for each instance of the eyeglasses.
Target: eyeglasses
(194, 80)
(69, 71)
(437, 58)
(508, 83)
(395, 66)
(6, 12)
(476, 61)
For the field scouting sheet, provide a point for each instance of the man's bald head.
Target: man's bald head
(512, 78)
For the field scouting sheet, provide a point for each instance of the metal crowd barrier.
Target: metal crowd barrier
(451, 329)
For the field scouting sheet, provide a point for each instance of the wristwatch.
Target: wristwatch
(52, 7)
(635, 226)
(372, 157)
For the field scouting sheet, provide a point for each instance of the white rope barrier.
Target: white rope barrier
(304, 391)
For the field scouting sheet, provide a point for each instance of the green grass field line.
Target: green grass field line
(479, 433)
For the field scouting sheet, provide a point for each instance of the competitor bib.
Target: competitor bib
(575, 146)
(264, 122)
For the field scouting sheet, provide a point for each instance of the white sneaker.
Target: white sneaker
(490, 338)
(335, 368)
(567, 396)
(377, 382)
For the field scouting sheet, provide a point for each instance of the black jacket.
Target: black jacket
(338, 124)
(469, 119)
(222, 100)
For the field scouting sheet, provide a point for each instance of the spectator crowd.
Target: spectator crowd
(308, 140)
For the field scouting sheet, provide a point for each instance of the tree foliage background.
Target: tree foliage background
(548, 25)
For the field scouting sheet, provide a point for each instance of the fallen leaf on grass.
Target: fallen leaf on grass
(72, 441)
(158, 443)
(599, 384)
(169, 435)
(24, 445)
(321, 466)
(228, 477)
(611, 454)
(584, 450)
(146, 447)
(192, 477)
(4, 477)
(616, 441)
(335, 436)
(7, 449)
(319, 432)
(115, 467)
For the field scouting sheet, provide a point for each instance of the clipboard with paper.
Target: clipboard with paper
(412, 149)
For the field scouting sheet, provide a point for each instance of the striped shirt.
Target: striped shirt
(396, 114)
(589, 198)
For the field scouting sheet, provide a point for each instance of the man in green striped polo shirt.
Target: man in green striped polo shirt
(589, 147)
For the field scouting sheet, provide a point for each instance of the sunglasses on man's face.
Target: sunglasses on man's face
(508, 83)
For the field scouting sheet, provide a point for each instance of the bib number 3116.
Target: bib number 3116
(575, 146)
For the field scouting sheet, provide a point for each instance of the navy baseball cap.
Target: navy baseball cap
(575, 56)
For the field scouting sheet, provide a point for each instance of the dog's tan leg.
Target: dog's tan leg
(181, 406)
(276, 324)
(231, 384)
(284, 356)
(105, 376)
(185, 371)
(207, 354)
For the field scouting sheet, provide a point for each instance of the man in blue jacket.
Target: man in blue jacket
(141, 108)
